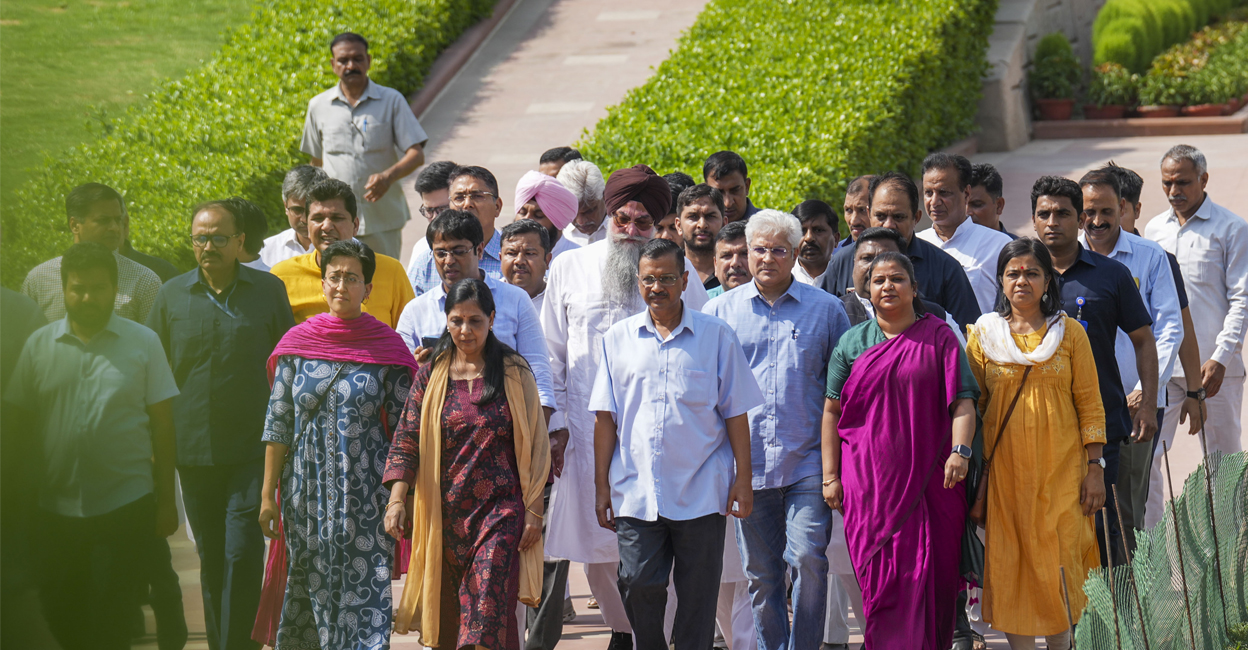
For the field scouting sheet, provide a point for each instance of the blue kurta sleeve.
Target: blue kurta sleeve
(279, 422)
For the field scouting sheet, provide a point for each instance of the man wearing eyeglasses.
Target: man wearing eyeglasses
(433, 184)
(671, 396)
(96, 214)
(588, 290)
(333, 216)
(788, 330)
(218, 325)
(294, 241)
(473, 190)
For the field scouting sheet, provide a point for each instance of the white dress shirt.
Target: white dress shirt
(1150, 268)
(562, 246)
(515, 324)
(281, 247)
(576, 237)
(575, 316)
(671, 397)
(976, 248)
(804, 276)
(538, 300)
(1212, 249)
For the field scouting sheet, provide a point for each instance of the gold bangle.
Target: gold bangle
(830, 481)
(530, 511)
(393, 503)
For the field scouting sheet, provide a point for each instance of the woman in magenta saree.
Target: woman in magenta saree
(900, 408)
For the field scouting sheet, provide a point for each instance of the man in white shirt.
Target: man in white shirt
(589, 290)
(1211, 244)
(294, 241)
(1102, 232)
(585, 181)
(525, 257)
(366, 135)
(664, 469)
(946, 189)
(820, 233)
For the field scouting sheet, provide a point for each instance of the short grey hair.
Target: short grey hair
(1182, 152)
(299, 181)
(584, 180)
(774, 222)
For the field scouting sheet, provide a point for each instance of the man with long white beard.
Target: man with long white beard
(590, 289)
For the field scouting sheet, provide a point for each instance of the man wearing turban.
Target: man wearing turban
(543, 199)
(590, 289)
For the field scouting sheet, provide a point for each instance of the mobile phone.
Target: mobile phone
(429, 342)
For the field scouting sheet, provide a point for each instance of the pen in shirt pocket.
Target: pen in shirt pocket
(795, 333)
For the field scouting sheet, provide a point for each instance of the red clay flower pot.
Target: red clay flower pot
(1203, 110)
(1056, 109)
(1232, 106)
(1159, 111)
(1108, 112)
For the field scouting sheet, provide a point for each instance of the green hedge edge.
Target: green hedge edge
(810, 93)
(229, 127)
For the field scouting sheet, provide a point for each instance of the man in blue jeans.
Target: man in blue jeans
(788, 330)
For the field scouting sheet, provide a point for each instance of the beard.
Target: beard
(619, 276)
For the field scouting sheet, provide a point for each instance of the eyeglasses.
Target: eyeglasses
(300, 210)
(778, 253)
(642, 223)
(430, 213)
(666, 280)
(458, 251)
(218, 241)
(340, 280)
(464, 197)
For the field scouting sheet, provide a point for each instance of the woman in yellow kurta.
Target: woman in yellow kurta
(1045, 481)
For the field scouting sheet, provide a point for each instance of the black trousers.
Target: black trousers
(545, 622)
(223, 506)
(1110, 453)
(92, 568)
(648, 550)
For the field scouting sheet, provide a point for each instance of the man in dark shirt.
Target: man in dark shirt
(895, 205)
(1101, 294)
(218, 324)
(726, 172)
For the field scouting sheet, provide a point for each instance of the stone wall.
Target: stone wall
(1005, 109)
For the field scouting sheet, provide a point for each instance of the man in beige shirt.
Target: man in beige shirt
(366, 135)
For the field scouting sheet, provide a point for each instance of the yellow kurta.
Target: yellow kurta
(391, 288)
(1035, 521)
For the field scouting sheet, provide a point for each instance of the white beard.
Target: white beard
(619, 275)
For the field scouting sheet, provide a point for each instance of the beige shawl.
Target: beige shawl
(418, 609)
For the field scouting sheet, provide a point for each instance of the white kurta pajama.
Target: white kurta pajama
(574, 316)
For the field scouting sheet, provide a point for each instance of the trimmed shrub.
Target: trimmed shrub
(1055, 70)
(228, 128)
(811, 93)
(1161, 24)
(1119, 45)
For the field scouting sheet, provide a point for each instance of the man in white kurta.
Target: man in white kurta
(1211, 245)
(579, 308)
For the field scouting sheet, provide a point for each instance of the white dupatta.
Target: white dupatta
(994, 335)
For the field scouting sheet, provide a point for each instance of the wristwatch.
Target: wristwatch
(1097, 461)
(962, 450)
(1199, 393)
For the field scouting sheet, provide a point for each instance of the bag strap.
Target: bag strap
(1008, 413)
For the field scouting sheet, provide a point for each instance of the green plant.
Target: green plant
(229, 127)
(1112, 85)
(1132, 32)
(1055, 71)
(1159, 88)
(1210, 68)
(1120, 44)
(811, 94)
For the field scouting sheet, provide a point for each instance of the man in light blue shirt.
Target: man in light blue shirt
(1102, 232)
(455, 244)
(672, 389)
(788, 330)
(473, 190)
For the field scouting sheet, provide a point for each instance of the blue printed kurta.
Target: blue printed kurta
(333, 501)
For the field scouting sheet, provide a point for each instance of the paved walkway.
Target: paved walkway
(548, 72)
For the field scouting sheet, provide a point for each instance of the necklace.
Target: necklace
(465, 368)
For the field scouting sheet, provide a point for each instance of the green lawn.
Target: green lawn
(65, 62)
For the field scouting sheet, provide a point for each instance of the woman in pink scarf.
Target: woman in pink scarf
(340, 381)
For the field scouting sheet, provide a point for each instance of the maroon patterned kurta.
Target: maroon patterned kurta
(482, 510)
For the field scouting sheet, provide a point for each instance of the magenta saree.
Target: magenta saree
(903, 527)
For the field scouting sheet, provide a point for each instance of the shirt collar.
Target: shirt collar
(369, 93)
(1123, 245)
(750, 290)
(493, 248)
(1086, 257)
(439, 294)
(241, 274)
(915, 248)
(686, 323)
(1205, 211)
(63, 329)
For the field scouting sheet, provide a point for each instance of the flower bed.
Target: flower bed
(230, 127)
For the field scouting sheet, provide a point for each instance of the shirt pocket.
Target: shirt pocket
(376, 133)
(340, 139)
(1204, 258)
(695, 387)
(190, 336)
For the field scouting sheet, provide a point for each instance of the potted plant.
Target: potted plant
(1205, 95)
(1055, 72)
(1112, 90)
(1160, 94)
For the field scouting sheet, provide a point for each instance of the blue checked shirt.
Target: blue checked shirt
(788, 345)
(424, 275)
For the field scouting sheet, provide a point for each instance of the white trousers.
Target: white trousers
(735, 617)
(1222, 431)
(843, 592)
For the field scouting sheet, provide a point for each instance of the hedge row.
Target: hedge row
(1132, 32)
(1211, 68)
(810, 93)
(230, 127)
